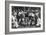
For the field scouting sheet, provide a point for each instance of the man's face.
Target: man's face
(37, 14)
(15, 14)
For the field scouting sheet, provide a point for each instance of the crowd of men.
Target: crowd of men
(25, 19)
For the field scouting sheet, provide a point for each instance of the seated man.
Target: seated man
(15, 24)
(31, 17)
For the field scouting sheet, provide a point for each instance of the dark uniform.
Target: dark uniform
(36, 20)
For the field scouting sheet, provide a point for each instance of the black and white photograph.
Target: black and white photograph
(24, 17)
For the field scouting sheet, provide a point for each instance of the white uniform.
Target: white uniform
(15, 22)
(38, 21)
